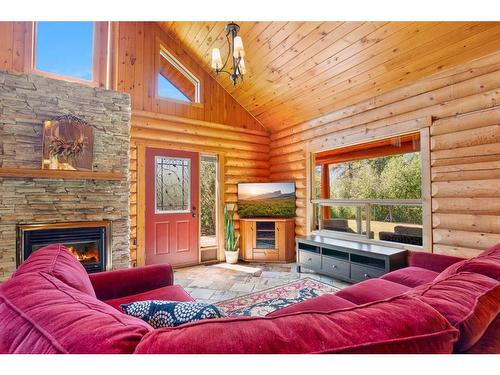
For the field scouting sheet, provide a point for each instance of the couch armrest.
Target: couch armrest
(433, 262)
(128, 281)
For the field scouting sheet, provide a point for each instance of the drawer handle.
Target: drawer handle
(366, 276)
(310, 259)
(334, 266)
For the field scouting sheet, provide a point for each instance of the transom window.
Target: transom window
(372, 190)
(175, 81)
(65, 48)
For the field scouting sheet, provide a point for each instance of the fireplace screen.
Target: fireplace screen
(88, 242)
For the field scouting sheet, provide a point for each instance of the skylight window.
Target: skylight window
(65, 48)
(175, 81)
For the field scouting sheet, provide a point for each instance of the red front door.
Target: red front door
(172, 185)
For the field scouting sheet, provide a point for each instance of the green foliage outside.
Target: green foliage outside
(275, 207)
(389, 177)
(208, 175)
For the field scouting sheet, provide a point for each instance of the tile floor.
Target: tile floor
(210, 284)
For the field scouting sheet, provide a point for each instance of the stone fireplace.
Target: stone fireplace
(89, 242)
(26, 101)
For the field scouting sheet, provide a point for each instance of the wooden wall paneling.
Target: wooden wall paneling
(243, 156)
(464, 156)
(467, 222)
(283, 52)
(473, 120)
(418, 95)
(409, 62)
(408, 107)
(355, 91)
(139, 57)
(322, 75)
(457, 251)
(300, 71)
(466, 205)
(18, 42)
(7, 35)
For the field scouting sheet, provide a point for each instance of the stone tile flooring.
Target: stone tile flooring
(210, 284)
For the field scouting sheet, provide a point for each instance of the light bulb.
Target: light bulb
(216, 59)
(243, 69)
(238, 48)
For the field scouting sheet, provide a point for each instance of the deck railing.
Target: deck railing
(354, 217)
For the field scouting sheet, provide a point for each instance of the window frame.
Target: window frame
(163, 52)
(100, 57)
(317, 146)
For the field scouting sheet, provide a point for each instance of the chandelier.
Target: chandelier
(237, 53)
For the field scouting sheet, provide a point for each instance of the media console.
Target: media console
(347, 260)
(267, 240)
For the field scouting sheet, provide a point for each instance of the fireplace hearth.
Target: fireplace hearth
(89, 242)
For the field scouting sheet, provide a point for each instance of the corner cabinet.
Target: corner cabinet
(267, 240)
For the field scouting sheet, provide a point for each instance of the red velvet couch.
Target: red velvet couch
(438, 304)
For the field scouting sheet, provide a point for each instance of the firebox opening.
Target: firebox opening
(85, 252)
(89, 242)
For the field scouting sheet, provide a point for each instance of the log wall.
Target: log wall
(244, 154)
(465, 149)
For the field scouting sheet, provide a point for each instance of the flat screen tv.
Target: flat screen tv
(273, 199)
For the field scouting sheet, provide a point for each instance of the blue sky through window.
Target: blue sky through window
(167, 90)
(65, 48)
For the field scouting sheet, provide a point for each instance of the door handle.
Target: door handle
(193, 211)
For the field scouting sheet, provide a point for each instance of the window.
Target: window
(371, 190)
(173, 181)
(175, 81)
(208, 201)
(65, 48)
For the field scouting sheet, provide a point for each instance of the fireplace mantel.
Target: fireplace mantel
(71, 175)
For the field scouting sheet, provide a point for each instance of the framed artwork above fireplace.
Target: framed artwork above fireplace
(68, 144)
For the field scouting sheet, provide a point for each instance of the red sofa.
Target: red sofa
(438, 304)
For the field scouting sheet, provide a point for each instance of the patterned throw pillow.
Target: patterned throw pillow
(160, 314)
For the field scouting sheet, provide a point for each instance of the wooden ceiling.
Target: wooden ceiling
(297, 71)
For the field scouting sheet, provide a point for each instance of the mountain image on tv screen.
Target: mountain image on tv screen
(275, 199)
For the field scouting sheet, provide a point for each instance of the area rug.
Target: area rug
(269, 300)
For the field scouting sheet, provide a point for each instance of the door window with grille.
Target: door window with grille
(172, 185)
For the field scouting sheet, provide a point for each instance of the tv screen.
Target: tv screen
(275, 199)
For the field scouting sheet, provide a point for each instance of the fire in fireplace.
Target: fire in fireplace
(89, 242)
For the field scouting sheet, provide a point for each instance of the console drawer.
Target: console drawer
(309, 260)
(360, 273)
(335, 267)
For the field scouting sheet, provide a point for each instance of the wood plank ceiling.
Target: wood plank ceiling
(297, 71)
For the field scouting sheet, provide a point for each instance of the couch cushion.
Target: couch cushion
(400, 325)
(484, 266)
(371, 290)
(167, 293)
(323, 303)
(489, 343)
(57, 261)
(493, 253)
(469, 301)
(487, 263)
(410, 276)
(161, 314)
(41, 314)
